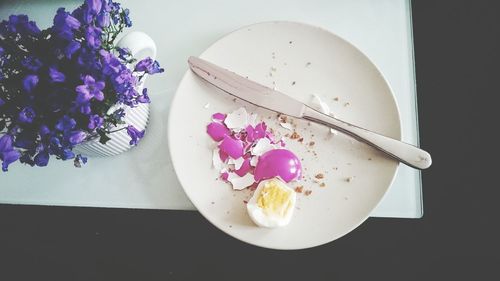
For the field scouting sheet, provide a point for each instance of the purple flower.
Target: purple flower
(31, 63)
(118, 114)
(149, 66)
(76, 137)
(27, 115)
(94, 6)
(126, 18)
(79, 160)
(134, 134)
(71, 48)
(42, 159)
(93, 36)
(95, 121)
(111, 64)
(103, 19)
(66, 123)
(63, 80)
(85, 108)
(30, 82)
(64, 24)
(67, 154)
(8, 154)
(55, 75)
(21, 24)
(44, 130)
(90, 89)
(144, 98)
(123, 53)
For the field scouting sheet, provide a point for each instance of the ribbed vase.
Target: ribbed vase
(120, 140)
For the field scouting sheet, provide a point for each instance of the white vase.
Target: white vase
(141, 46)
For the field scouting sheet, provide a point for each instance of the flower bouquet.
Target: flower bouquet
(68, 85)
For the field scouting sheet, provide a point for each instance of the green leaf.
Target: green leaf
(103, 138)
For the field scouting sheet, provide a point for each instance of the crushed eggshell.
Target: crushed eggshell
(240, 183)
(216, 161)
(321, 106)
(218, 117)
(262, 146)
(237, 120)
(217, 131)
(287, 126)
(254, 160)
(242, 143)
(231, 146)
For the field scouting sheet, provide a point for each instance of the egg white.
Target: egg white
(260, 217)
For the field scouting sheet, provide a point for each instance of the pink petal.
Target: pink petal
(217, 131)
(231, 146)
(224, 176)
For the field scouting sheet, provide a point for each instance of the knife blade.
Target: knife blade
(273, 100)
(246, 89)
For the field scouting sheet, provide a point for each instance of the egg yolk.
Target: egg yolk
(274, 199)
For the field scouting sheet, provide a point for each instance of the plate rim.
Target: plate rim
(379, 72)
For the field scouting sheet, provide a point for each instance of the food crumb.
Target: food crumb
(234, 100)
(336, 98)
(370, 159)
(347, 104)
(300, 140)
(349, 179)
(293, 83)
(299, 189)
(319, 176)
(308, 192)
(283, 118)
(245, 201)
(311, 143)
(294, 136)
(322, 184)
(290, 42)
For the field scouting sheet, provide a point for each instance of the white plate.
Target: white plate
(321, 63)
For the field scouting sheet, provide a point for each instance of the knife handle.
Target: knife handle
(403, 152)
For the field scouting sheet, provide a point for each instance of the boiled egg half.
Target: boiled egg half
(272, 203)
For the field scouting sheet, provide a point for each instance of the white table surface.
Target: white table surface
(144, 177)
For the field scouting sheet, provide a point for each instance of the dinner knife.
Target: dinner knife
(271, 99)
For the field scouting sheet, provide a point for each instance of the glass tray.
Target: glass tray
(144, 177)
